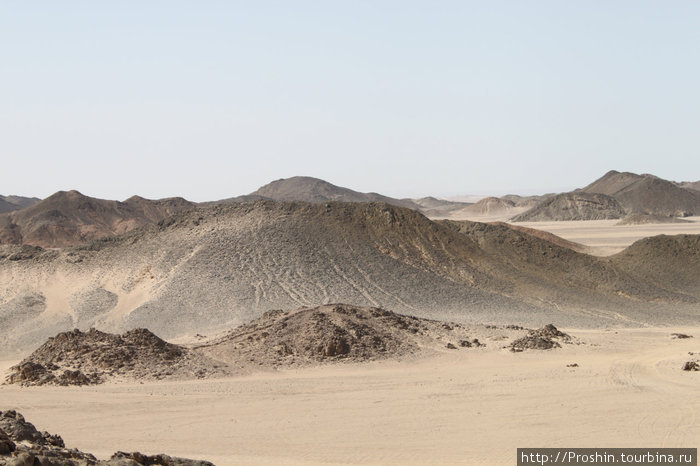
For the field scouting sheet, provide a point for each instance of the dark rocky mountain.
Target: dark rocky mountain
(69, 218)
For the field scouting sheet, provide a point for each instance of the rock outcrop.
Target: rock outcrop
(22, 444)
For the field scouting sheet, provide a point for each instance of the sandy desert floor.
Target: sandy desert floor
(462, 407)
(605, 238)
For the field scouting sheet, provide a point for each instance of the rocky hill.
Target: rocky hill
(616, 195)
(673, 260)
(574, 206)
(68, 218)
(653, 196)
(612, 182)
(210, 269)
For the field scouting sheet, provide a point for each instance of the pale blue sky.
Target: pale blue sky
(212, 99)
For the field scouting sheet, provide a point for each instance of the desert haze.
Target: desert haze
(306, 323)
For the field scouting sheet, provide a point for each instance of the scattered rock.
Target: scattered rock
(451, 346)
(681, 336)
(572, 365)
(136, 458)
(468, 344)
(691, 366)
(7, 446)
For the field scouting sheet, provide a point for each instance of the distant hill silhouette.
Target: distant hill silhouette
(11, 203)
(309, 189)
(68, 218)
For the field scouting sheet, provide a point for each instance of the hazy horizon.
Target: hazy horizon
(213, 100)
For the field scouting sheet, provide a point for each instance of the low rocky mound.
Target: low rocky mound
(574, 206)
(334, 332)
(22, 444)
(93, 357)
(642, 219)
(542, 339)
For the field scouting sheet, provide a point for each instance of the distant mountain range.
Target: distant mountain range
(69, 218)
(616, 195)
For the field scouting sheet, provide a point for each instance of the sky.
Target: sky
(212, 99)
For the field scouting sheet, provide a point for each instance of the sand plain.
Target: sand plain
(604, 237)
(459, 407)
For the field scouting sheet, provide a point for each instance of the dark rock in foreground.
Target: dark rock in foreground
(22, 444)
